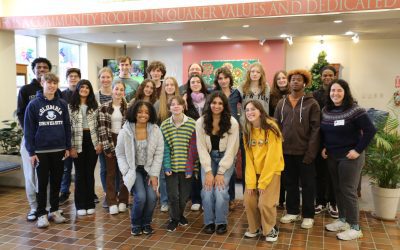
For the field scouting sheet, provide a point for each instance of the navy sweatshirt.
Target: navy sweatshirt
(343, 130)
(26, 94)
(47, 125)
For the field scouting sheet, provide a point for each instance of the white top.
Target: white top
(116, 120)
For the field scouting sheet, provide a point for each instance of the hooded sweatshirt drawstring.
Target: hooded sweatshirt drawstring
(301, 108)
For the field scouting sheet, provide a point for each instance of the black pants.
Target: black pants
(84, 174)
(196, 188)
(51, 167)
(296, 170)
(324, 189)
(178, 189)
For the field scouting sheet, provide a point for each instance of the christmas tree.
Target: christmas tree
(315, 72)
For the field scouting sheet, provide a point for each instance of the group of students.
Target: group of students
(183, 142)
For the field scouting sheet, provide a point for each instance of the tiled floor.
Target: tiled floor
(103, 231)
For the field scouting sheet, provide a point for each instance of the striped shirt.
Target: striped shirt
(179, 145)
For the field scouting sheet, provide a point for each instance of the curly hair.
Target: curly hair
(157, 65)
(227, 73)
(304, 73)
(76, 98)
(266, 122)
(225, 120)
(131, 113)
(262, 83)
(163, 111)
(41, 60)
(140, 92)
(348, 100)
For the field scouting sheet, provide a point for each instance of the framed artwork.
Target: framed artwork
(138, 71)
(237, 67)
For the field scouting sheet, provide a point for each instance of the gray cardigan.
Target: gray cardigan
(125, 152)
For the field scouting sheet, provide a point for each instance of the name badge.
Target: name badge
(339, 123)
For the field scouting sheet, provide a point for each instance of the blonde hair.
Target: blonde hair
(50, 77)
(262, 83)
(163, 111)
(105, 70)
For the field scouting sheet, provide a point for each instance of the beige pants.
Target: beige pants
(261, 209)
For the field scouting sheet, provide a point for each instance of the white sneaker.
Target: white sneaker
(81, 212)
(31, 216)
(122, 207)
(43, 222)
(289, 218)
(195, 207)
(113, 209)
(337, 226)
(90, 211)
(57, 217)
(272, 236)
(350, 234)
(252, 235)
(164, 208)
(307, 223)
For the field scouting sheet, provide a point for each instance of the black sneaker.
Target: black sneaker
(136, 231)
(183, 221)
(63, 198)
(221, 229)
(272, 236)
(172, 226)
(210, 228)
(148, 229)
(96, 199)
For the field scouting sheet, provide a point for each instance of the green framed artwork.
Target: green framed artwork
(237, 67)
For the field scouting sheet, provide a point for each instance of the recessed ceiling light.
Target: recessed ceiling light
(338, 21)
(170, 39)
(349, 33)
(245, 25)
(283, 35)
(119, 41)
(224, 37)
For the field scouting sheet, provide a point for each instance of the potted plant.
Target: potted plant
(383, 166)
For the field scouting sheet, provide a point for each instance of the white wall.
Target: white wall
(171, 56)
(370, 67)
(95, 55)
(8, 73)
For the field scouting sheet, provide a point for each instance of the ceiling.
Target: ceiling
(369, 25)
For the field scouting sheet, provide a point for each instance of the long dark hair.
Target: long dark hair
(76, 98)
(140, 91)
(132, 112)
(266, 122)
(224, 122)
(189, 101)
(227, 73)
(348, 100)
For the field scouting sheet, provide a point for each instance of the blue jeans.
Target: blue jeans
(66, 179)
(163, 189)
(216, 202)
(144, 202)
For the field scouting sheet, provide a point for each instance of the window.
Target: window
(25, 53)
(69, 57)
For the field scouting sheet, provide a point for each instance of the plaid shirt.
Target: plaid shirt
(105, 112)
(77, 130)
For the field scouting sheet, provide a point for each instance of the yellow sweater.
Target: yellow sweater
(264, 158)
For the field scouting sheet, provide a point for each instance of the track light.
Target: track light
(289, 39)
(262, 41)
(139, 46)
(355, 38)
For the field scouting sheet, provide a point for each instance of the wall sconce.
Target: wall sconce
(262, 41)
(355, 38)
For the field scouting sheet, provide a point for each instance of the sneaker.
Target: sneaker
(337, 226)
(63, 198)
(307, 223)
(136, 231)
(90, 211)
(105, 205)
(122, 207)
(272, 236)
(183, 221)
(96, 198)
(333, 211)
(195, 207)
(210, 228)
(232, 205)
(31, 216)
(350, 234)
(164, 208)
(221, 229)
(81, 212)
(43, 222)
(113, 209)
(57, 217)
(172, 226)
(289, 218)
(319, 208)
(252, 235)
(148, 229)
